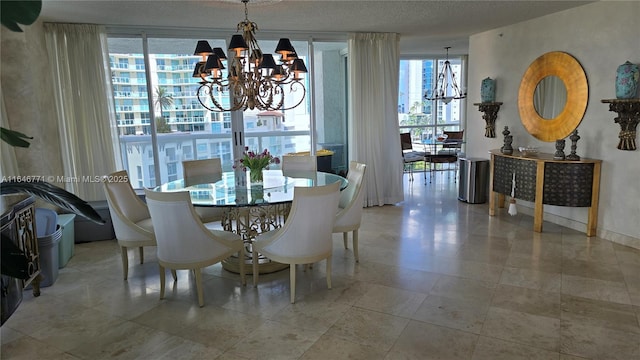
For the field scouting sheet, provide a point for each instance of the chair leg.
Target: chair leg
(241, 261)
(355, 245)
(292, 282)
(255, 267)
(199, 287)
(125, 261)
(162, 276)
(329, 272)
(174, 274)
(345, 239)
(141, 250)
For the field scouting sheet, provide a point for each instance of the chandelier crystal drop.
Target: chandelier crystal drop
(253, 79)
(446, 88)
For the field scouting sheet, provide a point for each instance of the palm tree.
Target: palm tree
(163, 99)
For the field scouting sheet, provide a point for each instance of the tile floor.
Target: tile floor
(437, 279)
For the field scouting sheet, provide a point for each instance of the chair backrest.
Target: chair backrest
(405, 141)
(307, 232)
(126, 208)
(180, 234)
(122, 198)
(299, 165)
(349, 215)
(355, 179)
(454, 139)
(201, 171)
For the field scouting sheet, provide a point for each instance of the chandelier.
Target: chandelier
(253, 80)
(446, 88)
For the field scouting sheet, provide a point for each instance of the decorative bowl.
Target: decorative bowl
(528, 151)
(442, 137)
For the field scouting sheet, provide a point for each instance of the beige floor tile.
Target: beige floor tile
(391, 301)
(531, 279)
(595, 289)
(599, 313)
(592, 270)
(426, 341)
(328, 347)
(273, 340)
(527, 300)
(495, 349)
(317, 315)
(595, 342)
(522, 328)
(466, 289)
(28, 348)
(455, 313)
(369, 328)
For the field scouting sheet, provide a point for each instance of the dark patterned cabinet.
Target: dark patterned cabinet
(545, 181)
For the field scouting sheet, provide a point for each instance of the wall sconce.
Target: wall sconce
(628, 117)
(490, 110)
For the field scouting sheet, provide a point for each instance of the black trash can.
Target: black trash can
(474, 180)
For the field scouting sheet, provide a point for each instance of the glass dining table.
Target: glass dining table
(249, 209)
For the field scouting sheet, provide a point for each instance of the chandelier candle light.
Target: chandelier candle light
(254, 80)
(446, 88)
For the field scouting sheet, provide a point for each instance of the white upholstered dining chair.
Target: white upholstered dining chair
(299, 165)
(209, 170)
(199, 172)
(129, 215)
(306, 235)
(349, 213)
(183, 240)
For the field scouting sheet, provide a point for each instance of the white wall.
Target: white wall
(600, 36)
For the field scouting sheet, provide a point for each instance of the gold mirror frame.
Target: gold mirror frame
(569, 70)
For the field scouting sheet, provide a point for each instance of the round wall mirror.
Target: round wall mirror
(550, 97)
(563, 117)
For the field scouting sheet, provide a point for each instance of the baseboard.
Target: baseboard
(581, 226)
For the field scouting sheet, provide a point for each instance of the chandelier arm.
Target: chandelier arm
(204, 90)
(264, 97)
(293, 89)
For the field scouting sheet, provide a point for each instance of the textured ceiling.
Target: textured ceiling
(426, 27)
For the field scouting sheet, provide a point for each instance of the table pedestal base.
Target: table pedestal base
(249, 222)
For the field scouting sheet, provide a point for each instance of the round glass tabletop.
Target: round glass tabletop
(234, 188)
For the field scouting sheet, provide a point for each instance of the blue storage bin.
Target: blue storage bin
(49, 234)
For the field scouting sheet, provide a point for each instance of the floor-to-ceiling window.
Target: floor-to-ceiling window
(153, 78)
(426, 119)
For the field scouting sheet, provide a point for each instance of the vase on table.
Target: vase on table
(255, 176)
(257, 194)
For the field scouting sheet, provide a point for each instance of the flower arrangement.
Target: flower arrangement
(255, 162)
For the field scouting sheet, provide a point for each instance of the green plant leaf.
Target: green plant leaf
(14, 138)
(13, 13)
(54, 195)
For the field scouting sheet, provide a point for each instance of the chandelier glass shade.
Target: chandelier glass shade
(446, 88)
(253, 80)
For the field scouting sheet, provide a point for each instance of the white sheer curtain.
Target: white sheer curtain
(374, 65)
(84, 107)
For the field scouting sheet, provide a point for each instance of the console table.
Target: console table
(542, 180)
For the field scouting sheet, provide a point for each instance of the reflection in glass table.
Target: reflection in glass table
(251, 208)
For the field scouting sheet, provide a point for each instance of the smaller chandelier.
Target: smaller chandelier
(254, 80)
(446, 88)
